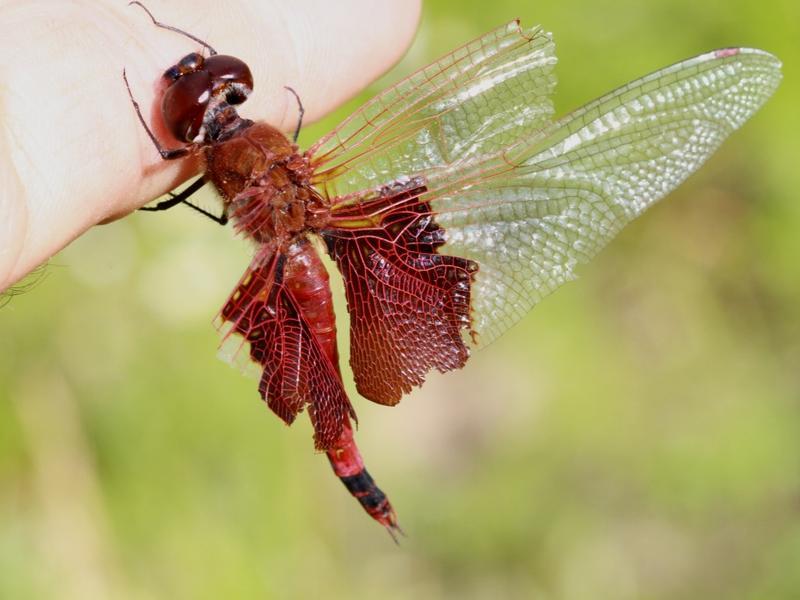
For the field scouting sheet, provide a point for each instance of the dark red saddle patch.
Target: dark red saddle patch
(409, 305)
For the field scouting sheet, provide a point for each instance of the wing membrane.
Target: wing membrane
(530, 212)
(528, 216)
(473, 102)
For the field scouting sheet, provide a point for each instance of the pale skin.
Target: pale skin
(73, 154)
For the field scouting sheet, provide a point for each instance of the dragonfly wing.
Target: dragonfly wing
(262, 322)
(531, 214)
(408, 304)
(513, 224)
(474, 101)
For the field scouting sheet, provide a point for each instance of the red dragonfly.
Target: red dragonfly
(451, 203)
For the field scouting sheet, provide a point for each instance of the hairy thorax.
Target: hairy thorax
(264, 183)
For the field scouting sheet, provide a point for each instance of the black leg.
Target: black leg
(301, 110)
(182, 198)
(165, 154)
(171, 28)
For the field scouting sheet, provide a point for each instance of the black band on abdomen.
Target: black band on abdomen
(362, 486)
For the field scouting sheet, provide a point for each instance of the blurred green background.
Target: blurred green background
(637, 436)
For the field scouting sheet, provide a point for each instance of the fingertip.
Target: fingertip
(361, 41)
(327, 51)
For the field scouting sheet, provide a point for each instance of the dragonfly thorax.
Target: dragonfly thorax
(264, 183)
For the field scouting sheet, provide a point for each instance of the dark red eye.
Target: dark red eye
(195, 81)
(229, 76)
(184, 105)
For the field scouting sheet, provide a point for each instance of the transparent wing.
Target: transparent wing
(473, 102)
(530, 214)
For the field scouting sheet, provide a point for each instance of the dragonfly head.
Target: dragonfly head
(201, 89)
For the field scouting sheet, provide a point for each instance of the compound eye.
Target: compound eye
(229, 76)
(191, 62)
(184, 105)
(188, 64)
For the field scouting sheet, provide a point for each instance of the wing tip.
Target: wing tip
(744, 52)
(528, 33)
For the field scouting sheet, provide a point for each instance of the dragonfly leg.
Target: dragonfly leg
(165, 153)
(182, 198)
(171, 28)
(301, 110)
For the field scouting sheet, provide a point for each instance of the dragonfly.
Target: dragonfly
(451, 203)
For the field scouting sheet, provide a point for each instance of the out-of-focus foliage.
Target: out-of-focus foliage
(637, 436)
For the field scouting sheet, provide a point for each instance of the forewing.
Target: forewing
(472, 102)
(528, 216)
(263, 322)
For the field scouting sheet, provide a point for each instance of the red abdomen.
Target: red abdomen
(308, 282)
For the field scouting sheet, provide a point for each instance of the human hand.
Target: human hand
(73, 154)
